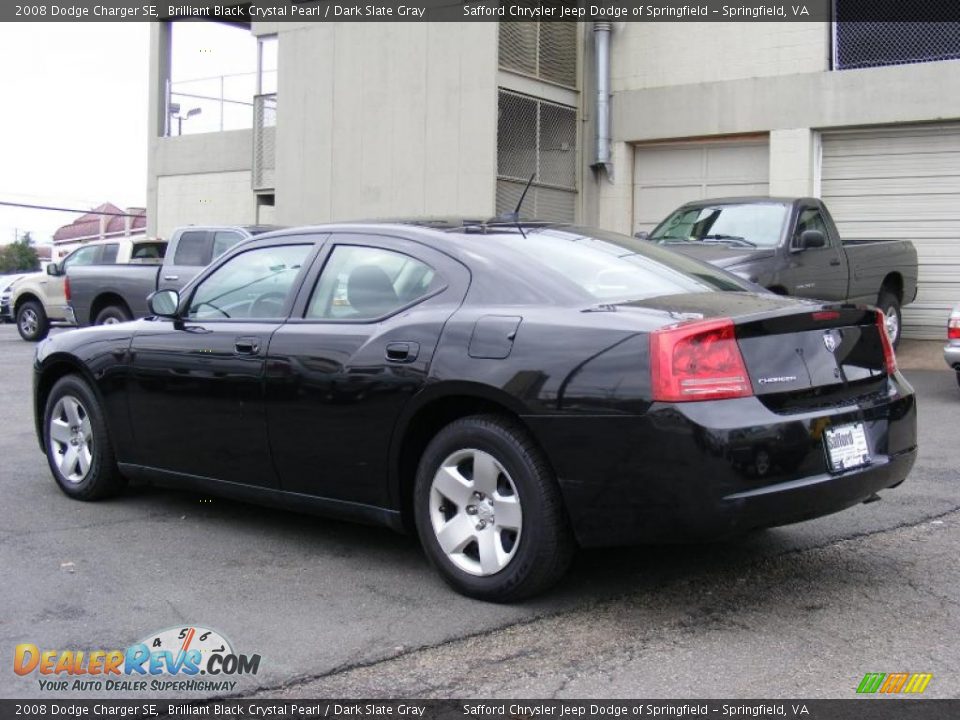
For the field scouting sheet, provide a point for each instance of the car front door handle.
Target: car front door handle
(171, 277)
(402, 352)
(835, 262)
(246, 345)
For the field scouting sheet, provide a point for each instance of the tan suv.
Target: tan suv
(39, 298)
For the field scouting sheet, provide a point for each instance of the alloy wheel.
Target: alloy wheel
(29, 322)
(892, 322)
(71, 438)
(475, 512)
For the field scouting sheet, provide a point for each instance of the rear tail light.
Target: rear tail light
(66, 288)
(953, 327)
(697, 361)
(890, 359)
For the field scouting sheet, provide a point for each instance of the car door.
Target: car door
(812, 272)
(358, 346)
(54, 289)
(196, 399)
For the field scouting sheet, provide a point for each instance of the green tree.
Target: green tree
(19, 256)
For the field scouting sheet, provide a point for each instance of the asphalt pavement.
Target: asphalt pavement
(336, 609)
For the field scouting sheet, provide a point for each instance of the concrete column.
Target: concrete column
(615, 196)
(159, 74)
(793, 162)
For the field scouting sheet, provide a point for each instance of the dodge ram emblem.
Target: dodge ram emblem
(830, 341)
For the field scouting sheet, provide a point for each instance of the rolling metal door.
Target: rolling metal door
(903, 183)
(666, 176)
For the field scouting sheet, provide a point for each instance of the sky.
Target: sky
(73, 111)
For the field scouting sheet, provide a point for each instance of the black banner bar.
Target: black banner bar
(483, 10)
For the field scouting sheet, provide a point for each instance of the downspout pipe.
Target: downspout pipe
(601, 36)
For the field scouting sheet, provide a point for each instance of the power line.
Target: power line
(5, 203)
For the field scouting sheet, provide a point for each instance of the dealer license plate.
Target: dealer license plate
(847, 447)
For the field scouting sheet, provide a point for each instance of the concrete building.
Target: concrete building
(378, 120)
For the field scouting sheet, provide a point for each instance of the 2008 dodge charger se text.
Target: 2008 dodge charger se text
(510, 391)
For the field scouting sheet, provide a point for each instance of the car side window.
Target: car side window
(83, 256)
(252, 285)
(810, 219)
(192, 249)
(364, 283)
(223, 240)
(109, 254)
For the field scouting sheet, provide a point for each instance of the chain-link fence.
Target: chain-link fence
(547, 51)
(264, 141)
(868, 44)
(539, 138)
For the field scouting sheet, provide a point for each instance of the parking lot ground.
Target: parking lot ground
(334, 608)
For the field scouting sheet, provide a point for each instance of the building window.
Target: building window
(213, 78)
(536, 138)
(546, 51)
(869, 44)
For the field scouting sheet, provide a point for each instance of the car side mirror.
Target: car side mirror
(164, 303)
(54, 269)
(812, 239)
(641, 235)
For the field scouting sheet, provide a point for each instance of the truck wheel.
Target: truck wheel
(888, 303)
(112, 314)
(32, 322)
(489, 512)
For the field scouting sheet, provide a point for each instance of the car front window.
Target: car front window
(252, 285)
(738, 225)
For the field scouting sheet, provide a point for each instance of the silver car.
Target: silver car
(951, 351)
(6, 287)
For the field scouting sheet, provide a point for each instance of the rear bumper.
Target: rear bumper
(951, 353)
(692, 471)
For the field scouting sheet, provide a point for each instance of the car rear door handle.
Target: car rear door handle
(835, 262)
(246, 345)
(171, 277)
(402, 352)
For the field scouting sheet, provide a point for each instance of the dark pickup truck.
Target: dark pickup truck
(103, 294)
(791, 246)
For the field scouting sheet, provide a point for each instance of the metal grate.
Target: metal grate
(547, 51)
(869, 44)
(264, 142)
(539, 138)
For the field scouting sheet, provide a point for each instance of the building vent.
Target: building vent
(264, 142)
(869, 44)
(546, 51)
(539, 138)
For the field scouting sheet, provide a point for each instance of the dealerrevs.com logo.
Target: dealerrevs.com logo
(172, 660)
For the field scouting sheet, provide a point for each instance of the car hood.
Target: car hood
(720, 255)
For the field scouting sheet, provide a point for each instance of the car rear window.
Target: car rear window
(612, 267)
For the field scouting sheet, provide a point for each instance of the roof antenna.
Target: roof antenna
(514, 217)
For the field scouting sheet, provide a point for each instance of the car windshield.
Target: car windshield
(615, 268)
(748, 225)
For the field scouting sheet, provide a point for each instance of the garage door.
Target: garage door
(666, 176)
(903, 183)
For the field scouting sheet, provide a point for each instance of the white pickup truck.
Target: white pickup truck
(39, 298)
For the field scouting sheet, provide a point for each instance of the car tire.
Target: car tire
(521, 553)
(890, 307)
(32, 322)
(78, 447)
(113, 314)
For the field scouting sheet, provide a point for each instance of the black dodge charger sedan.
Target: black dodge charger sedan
(511, 391)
